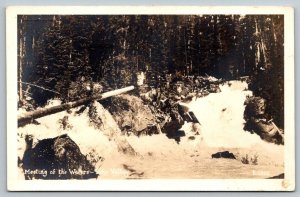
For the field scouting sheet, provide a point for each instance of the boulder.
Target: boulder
(56, 158)
(224, 154)
(132, 115)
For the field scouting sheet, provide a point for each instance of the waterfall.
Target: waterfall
(221, 117)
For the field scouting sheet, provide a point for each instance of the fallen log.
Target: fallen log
(28, 117)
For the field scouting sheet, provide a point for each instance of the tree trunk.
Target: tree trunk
(28, 117)
(21, 59)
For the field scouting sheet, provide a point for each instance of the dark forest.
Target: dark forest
(55, 52)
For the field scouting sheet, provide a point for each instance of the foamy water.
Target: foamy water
(221, 117)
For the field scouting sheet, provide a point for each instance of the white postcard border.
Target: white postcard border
(286, 184)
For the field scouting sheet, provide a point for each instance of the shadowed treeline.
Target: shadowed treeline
(56, 51)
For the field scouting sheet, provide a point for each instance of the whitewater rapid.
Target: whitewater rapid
(221, 116)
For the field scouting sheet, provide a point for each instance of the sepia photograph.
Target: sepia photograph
(150, 94)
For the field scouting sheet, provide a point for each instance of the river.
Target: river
(221, 129)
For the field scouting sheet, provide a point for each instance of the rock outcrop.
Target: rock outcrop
(132, 115)
(280, 176)
(257, 121)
